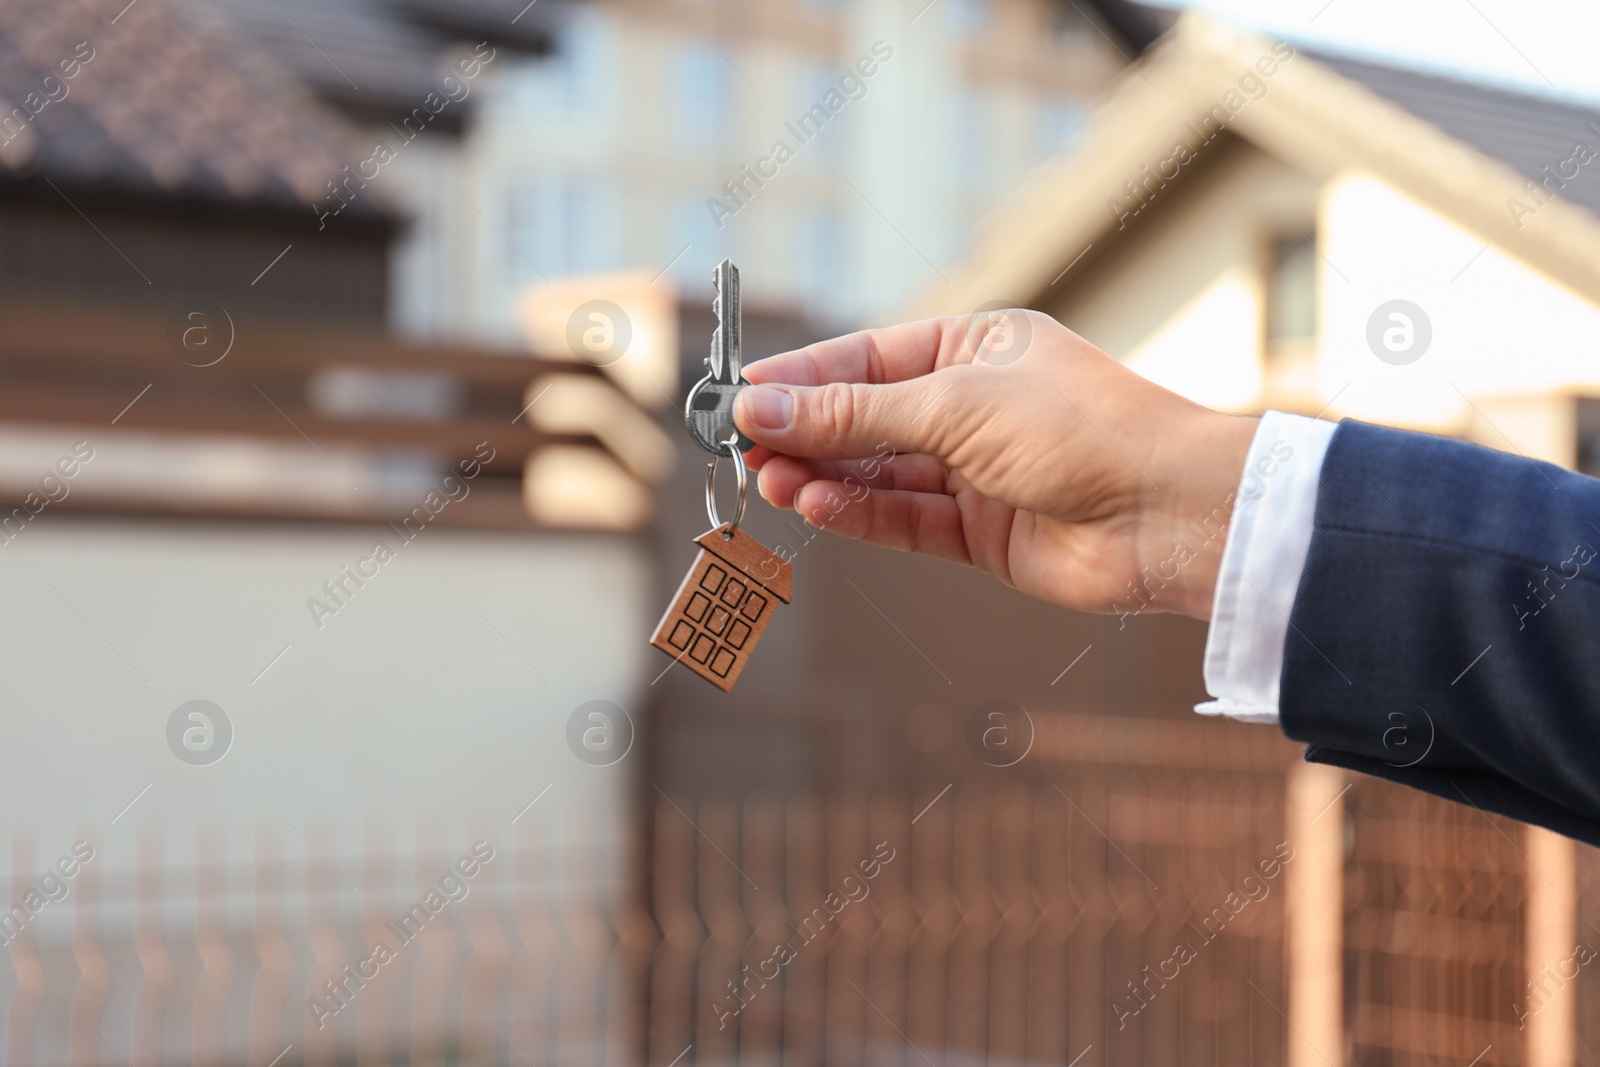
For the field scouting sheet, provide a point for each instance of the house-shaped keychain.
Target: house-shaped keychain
(723, 605)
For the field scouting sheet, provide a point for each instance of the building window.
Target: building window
(574, 81)
(1291, 292)
(701, 84)
(559, 224)
(586, 45)
(1588, 435)
(967, 16)
(812, 118)
(820, 247)
(701, 241)
(966, 140)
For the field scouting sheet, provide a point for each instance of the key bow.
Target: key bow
(708, 413)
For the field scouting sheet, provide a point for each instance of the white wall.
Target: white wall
(407, 707)
(1499, 326)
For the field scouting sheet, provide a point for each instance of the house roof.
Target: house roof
(1525, 132)
(1466, 151)
(749, 556)
(341, 49)
(375, 59)
(158, 104)
(514, 23)
(1140, 25)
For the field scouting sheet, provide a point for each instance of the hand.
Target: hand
(1021, 449)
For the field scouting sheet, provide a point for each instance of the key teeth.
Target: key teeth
(725, 292)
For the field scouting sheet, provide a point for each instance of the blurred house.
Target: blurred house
(144, 162)
(1242, 219)
(1256, 226)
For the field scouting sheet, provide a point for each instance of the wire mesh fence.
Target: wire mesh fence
(266, 953)
(1099, 911)
(1435, 894)
(1023, 925)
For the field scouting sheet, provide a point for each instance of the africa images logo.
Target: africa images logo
(199, 732)
(1399, 332)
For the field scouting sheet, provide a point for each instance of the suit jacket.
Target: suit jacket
(1445, 633)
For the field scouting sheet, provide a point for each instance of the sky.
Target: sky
(1546, 47)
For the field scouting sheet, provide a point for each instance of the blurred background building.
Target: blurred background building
(602, 131)
(284, 281)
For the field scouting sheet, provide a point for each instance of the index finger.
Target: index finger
(877, 357)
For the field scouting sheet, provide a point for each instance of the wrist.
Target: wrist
(1192, 507)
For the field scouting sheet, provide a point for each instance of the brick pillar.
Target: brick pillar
(1314, 825)
(1552, 918)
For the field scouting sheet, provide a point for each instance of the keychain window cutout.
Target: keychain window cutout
(731, 592)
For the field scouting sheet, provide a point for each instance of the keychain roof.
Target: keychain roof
(749, 556)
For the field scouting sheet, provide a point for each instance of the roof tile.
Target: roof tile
(163, 100)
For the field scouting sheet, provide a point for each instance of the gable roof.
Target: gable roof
(1525, 132)
(1467, 151)
(160, 106)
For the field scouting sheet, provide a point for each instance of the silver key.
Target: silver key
(709, 409)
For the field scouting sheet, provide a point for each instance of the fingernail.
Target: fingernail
(770, 409)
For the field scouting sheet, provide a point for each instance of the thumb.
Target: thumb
(840, 420)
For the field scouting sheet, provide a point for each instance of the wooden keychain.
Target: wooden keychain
(732, 588)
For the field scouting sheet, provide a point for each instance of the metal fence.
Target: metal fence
(1433, 930)
(262, 954)
(945, 929)
(1142, 895)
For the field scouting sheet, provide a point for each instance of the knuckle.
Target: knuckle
(838, 406)
(913, 539)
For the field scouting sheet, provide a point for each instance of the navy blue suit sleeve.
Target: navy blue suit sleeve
(1446, 630)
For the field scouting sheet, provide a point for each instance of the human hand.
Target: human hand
(1021, 449)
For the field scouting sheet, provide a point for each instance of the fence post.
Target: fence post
(1314, 828)
(1552, 916)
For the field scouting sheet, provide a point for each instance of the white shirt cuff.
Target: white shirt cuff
(1269, 536)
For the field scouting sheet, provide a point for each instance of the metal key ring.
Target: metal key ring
(743, 476)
